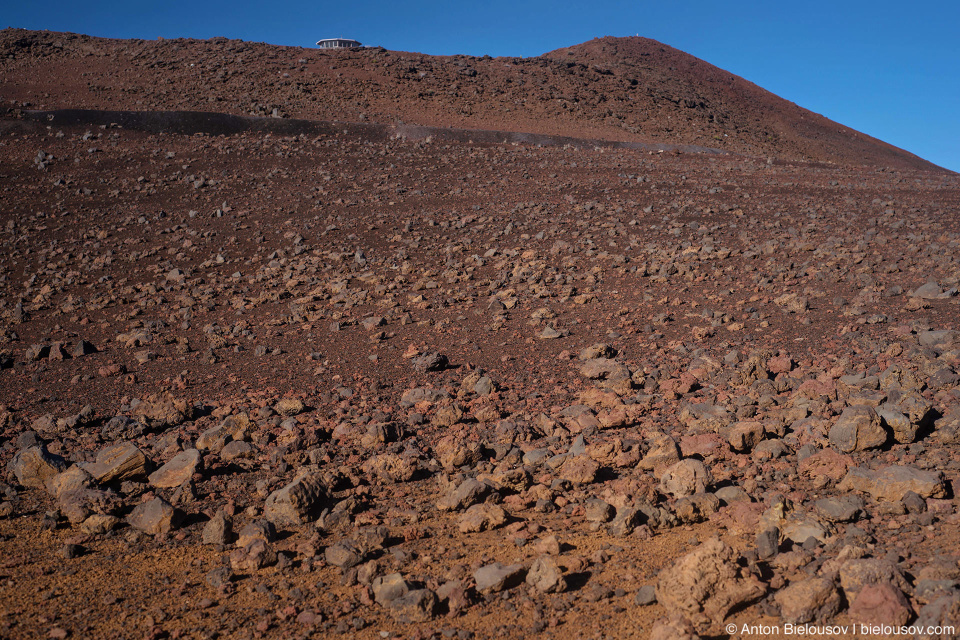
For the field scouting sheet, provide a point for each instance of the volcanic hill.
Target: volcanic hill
(624, 89)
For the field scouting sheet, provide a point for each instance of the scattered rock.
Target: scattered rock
(34, 466)
(155, 516)
(481, 517)
(858, 429)
(297, 502)
(218, 530)
(881, 603)
(686, 478)
(496, 577)
(178, 470)
(117, 463)
(289, 407)
(545, 576)
(892, 483)
(812, 600)
(706, 584)
(163, 410)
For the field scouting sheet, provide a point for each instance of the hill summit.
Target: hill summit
(623, 89)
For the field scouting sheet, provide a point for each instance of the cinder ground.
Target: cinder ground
(642, 352)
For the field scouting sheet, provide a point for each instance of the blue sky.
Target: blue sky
(888, 69)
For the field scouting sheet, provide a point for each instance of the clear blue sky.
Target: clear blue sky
(889, 69)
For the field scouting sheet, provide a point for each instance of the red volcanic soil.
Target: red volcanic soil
(272, 379)
(626, 89)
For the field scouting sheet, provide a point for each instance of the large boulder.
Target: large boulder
(163, 410)
(857, 429)
(686, 478)
(34, 466)
(178, 470)
(891, 484)
(117, 463)
(298, 502)
(706, 584)
(811, 600)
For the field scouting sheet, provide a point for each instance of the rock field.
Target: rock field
(266, 386)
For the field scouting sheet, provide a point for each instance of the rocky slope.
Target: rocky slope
(344, 382)
(611, 88)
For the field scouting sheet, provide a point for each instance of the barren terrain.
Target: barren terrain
(377, 380)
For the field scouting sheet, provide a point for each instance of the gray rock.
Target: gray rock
(298, 502)
(256, 555)
(840, 509)
(943, 380)
(484, 386)
(731, 494)
(948, 427)
(938, 339)
(236, 450)
(904, 431)
(646, 595)
(661, 453)
(914, 503)
(604, 369)
(545, 576)
(926, 591)
(178, 470)
(411, 397)
(99, 523)
(771, 449)
(626, 520)
(430, 361)
(939, 619)
(696, 508)
(857, 429)
(597, 510)
(498, 577)
(218, 577)
(469, 492)
(705, 417)
(256, 530)
(218, 530)
(154, 517)
(419, 605)
(931, 291)
(535, 456)
(213, 439)
(344, 554)
(768, 543)
(83, 348)
(389, 587)
(29, 439)
(77, 505)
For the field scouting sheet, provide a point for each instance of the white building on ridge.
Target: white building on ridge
(338, 43)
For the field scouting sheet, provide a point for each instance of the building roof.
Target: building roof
(338, 43)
